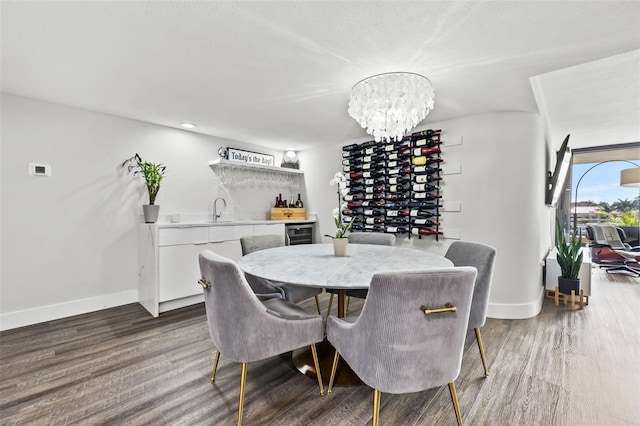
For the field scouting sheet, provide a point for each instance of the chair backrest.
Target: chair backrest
(606, 235)
(399, 349)
(232, 307)
(372, 238)
(261, 242)
(481, 257)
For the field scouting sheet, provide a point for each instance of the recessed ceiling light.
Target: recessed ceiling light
(188, 125)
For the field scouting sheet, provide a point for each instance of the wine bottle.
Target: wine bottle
(284, 204)
(425, 195)
(425, 231)
(353, 204)
(399, 171)
(428, 206)
(372, 203)
(373, 158)
(373, 220)
(374, 196)
(354, 168)
(426, 186)
(373, 166)
(370, 182)
(396, 230)
(425, 222)
(420, 204)
(397, 196)
(352, 161)
(277, 204)
(426, 151)
(374, 212)
(351, 147)
(371, 150)
(398, 188)
(395, 206)
(397, 221)
(372, 174)
(397, 213)
(357, 227)
(429, 133)
(422, 187)
(299, 203)
(426, 178)
(348, 197)
(422, 214)
(280, 202)
(374, 228)
(374, 189)
(426, 170)
(398, 163)
(355, 175)
(354, 182)
(397, 180)
(356, 189)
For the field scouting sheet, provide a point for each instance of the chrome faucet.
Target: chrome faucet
(216, 215)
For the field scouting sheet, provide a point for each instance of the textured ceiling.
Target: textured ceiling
(278, 73)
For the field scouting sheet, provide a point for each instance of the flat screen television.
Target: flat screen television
(557, 179)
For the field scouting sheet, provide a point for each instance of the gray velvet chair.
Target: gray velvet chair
(408, 337)
(483, 258)
(243, 328)
(363, 238)
(291, 292)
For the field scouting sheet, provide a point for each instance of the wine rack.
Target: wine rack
(394, 186)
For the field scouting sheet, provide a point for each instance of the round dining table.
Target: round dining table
(315, 265)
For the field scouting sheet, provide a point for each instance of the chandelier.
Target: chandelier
(390, 105)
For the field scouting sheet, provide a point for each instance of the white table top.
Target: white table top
(315, 265)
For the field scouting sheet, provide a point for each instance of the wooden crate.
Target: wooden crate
(288, 214)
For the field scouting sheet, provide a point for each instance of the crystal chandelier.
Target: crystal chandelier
(390, 105)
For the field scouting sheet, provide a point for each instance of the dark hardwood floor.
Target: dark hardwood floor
(122, 366)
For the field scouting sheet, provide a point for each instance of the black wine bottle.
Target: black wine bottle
(398, 188)
(299, 203)
(425, 195)
(426, 151)
(374, 166)
(397, 196)
(396, 230)
(397, 213)
(425, 222)
(428, 206)
(372, 203)
(374, 212)
(373, 220)
(424, 186)
(372, 174)
(378, 196)
(395, 206)
(349, 197)
(374, 189)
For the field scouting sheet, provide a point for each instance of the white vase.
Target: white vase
(340, 246)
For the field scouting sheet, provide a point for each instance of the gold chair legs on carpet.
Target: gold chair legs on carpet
(318, 304)
(454, 398)
(481, 347)
(216, 358)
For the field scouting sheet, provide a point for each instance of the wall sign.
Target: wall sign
(250, 157)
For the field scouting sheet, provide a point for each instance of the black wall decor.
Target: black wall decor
(394, 186)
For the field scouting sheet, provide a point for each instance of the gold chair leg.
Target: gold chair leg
(216, 358)
(481, 347)
(376, 407)
(336, 357)
(330, 303)
(317, 365)
(318, 304)
(456, 407)
(348, 301)
(243, 381)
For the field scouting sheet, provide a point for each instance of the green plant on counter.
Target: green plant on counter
(569, 254)
(151, 172)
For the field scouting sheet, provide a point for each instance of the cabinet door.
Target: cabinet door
(266, 229)
(179, 271)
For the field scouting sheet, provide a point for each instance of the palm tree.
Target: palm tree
(624, 206)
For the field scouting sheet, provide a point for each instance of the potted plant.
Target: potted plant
(340, 241)
(570, 260)
(152, 174)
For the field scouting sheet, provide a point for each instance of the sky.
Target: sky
(602, 183)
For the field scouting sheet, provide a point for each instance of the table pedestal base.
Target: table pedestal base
(303, 360)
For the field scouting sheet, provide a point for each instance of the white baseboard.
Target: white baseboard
(519, 311)
(45, 313)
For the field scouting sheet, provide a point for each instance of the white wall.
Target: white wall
(501, 191)
(69, 242)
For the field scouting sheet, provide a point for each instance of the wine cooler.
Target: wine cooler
(299, 233)
(394, 186)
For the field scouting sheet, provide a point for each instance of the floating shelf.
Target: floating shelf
(220, 162)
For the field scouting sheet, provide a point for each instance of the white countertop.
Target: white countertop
(189, 224)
